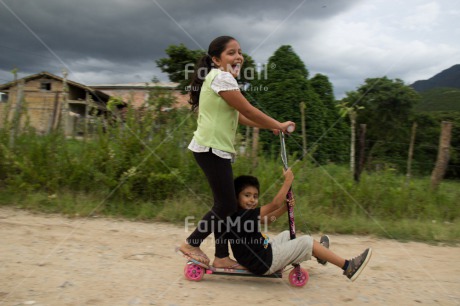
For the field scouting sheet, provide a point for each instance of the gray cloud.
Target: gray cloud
(108, 41)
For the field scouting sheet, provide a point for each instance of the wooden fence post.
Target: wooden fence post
(255, 145)
(443, 155)
(352, 115)
(65, 108)
(247, 141)
(304, 132)
(411, 153)
(16, 118)
(362, 144)
(87, 105)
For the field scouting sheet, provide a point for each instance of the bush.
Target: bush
(142, 169)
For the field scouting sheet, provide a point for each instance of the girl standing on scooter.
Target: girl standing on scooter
(221, 106)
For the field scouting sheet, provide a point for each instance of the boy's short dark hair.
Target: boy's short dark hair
(244, 181)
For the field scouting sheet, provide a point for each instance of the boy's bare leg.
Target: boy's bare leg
(323, 253)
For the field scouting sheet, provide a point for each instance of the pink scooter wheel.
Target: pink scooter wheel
(193, 272)
(298, 277)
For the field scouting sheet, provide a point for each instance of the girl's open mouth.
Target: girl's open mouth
(236, 68)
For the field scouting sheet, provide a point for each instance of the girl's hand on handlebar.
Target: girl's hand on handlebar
(287, 127)
(291, 202)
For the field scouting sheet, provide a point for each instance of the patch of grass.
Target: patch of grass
(402, 230)
(66, 203)
(187, 211)
(184, 208)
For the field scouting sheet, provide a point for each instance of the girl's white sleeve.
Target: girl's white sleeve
(224, 81)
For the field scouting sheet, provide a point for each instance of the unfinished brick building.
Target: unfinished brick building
(42, 101)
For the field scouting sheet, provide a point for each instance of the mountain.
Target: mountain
(439, 99)
(447, 78)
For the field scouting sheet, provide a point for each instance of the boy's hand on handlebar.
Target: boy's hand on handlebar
(291, 202)
(288, 175)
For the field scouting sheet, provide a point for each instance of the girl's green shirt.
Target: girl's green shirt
(217, 121)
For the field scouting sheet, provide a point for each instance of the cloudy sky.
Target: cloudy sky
(117, 41)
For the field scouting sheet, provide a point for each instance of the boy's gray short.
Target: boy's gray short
(287, 251)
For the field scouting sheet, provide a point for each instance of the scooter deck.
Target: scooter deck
(226, 271)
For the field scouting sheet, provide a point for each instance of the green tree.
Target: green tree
(335, 130)
(388, 109)
(284, 85)
(180, 65)
(249, 72)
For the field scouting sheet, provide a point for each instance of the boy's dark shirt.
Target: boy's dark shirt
(250, 248)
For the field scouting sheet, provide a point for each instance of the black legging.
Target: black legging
(220, 178)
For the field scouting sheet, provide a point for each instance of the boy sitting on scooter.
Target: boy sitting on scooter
(262, 255)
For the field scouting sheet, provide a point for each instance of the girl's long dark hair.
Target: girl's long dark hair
(203, 66)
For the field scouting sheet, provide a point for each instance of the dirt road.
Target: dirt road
(53, 260)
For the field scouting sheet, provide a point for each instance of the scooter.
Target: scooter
(298, 277)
